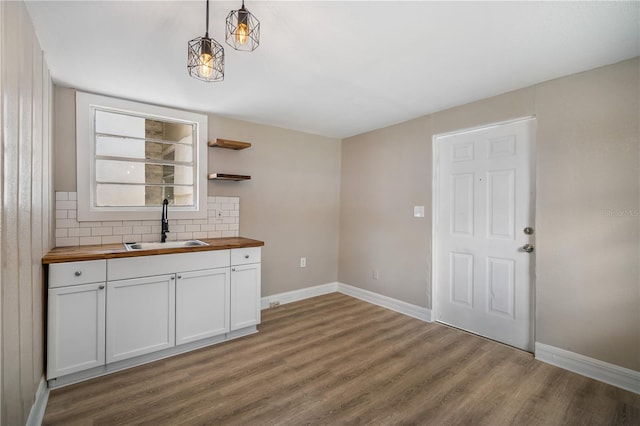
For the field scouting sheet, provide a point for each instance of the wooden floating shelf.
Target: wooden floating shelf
(229, 144)
(225, 176)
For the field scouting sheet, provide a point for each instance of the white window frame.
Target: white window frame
(86, 104)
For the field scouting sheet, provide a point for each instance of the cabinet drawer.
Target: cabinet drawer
(243, 256)
(74, 273)
(144, 266)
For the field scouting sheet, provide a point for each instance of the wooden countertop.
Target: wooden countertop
(111, 251)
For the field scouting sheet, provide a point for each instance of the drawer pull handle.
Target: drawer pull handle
(233, 269)
(246, 256)
(78, 273)
(101, 287)
(179, 276)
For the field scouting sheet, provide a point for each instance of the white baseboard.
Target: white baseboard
(297, 295)
(399, 306)
(599, 370)
(36, 415)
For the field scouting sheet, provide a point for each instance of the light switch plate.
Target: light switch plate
(418, 211)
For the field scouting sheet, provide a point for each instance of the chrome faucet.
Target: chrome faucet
(165, 221)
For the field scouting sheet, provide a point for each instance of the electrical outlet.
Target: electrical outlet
(303, 262)
(375, 274)
(274, 304)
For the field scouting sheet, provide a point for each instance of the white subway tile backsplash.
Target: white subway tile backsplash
(223, 220)
(142, 229)
(116, 223)
(89, 241)
(177, 228)
(66, 223)
(65, 242)
(105, 230)
(66, 205)
(112, 239)
(80, 232)
(131, 223)
(122, 230)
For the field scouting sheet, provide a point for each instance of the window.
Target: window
(132, 156)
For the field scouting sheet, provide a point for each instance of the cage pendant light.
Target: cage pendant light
(243, 30)
(206, 57)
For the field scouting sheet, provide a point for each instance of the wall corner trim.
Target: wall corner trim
(36, 415)
(612, 374)
(396, 305)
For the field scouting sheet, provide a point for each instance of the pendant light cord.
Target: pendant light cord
(207, 32)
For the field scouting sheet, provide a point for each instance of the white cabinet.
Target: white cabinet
(202, 304)
(105, 315)
(76, 317)
(140, 316)
(245, 287)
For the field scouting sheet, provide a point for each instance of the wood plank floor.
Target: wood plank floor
(336, 360)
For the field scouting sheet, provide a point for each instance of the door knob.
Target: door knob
(528, 248)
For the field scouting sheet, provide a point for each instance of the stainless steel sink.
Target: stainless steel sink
(166, 245)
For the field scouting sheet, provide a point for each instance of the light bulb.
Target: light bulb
(206, 65)
(242, 33)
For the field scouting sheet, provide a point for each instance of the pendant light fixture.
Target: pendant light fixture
(206, 57)
(243, 30)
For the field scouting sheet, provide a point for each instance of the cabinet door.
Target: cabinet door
(76, 329)
(202, 304)
(245, 296)
(140, 316)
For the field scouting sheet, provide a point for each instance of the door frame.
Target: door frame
(435, 220)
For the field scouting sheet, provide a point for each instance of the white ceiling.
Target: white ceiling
(327, 67)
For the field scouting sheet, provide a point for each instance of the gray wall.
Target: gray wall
(25, 230)
(587, 213)
(291, 202)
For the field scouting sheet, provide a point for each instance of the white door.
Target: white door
(484, 201)
(140, 316)
(202, 304)
(245, 295)
(76, 329)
